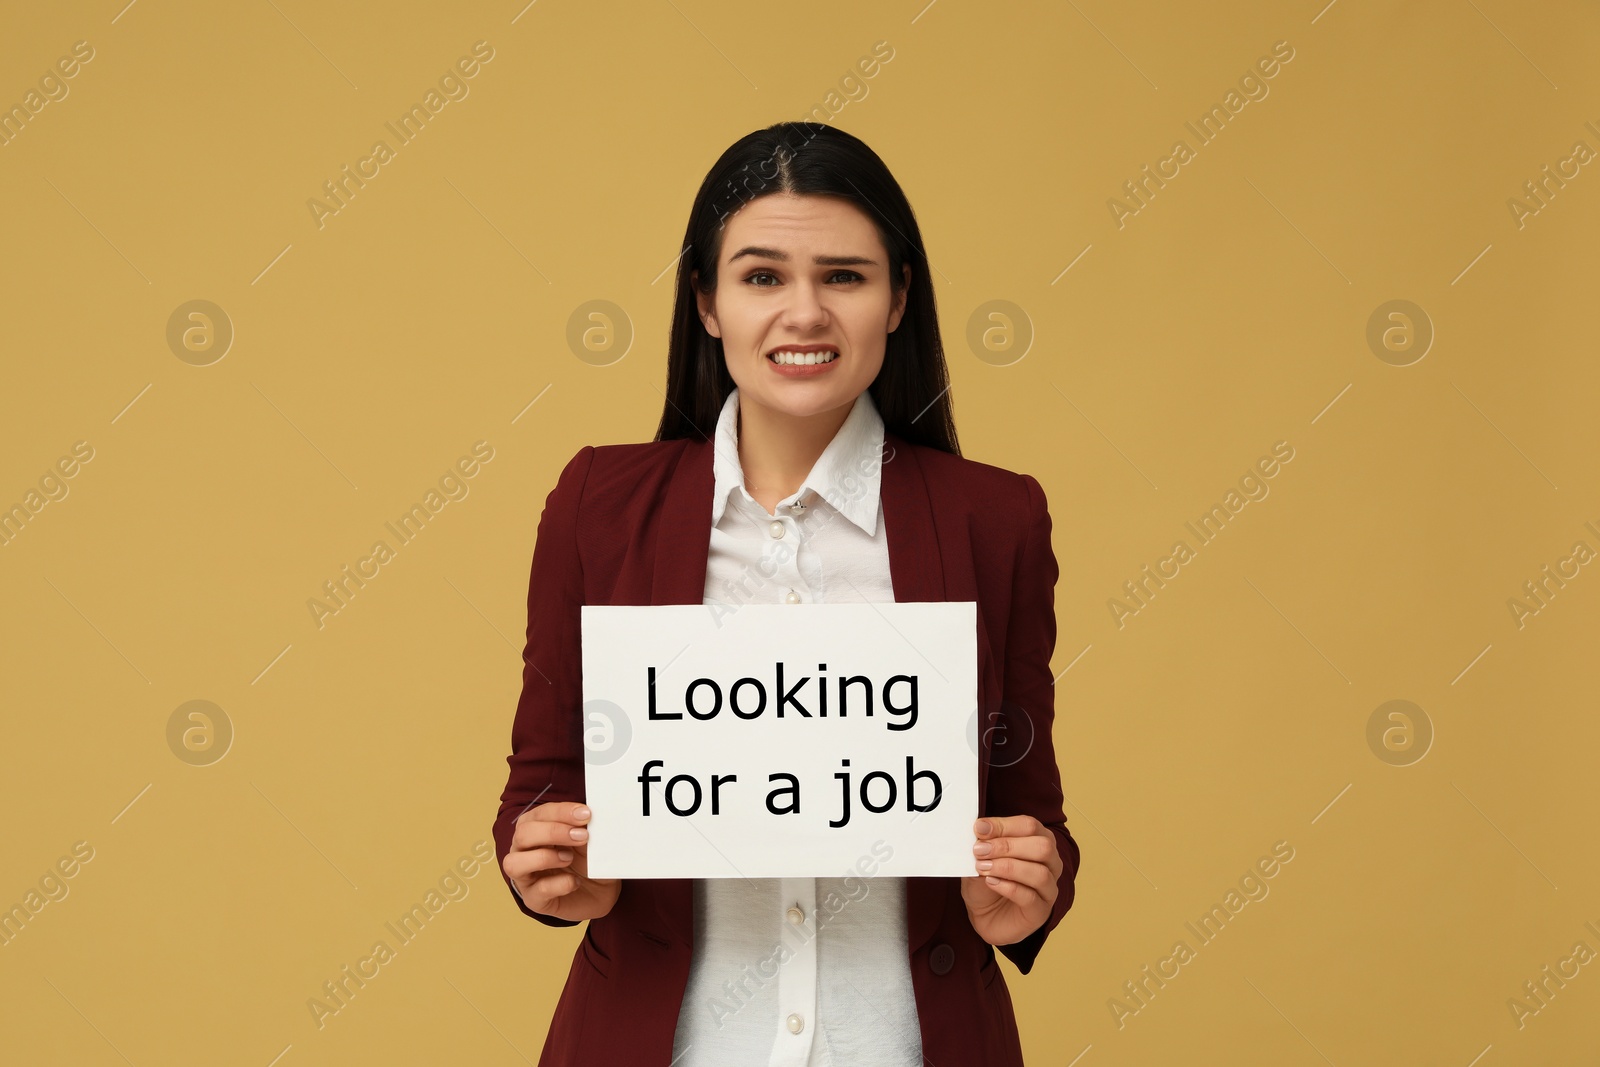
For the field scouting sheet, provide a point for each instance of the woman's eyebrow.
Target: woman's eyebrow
(821, 261)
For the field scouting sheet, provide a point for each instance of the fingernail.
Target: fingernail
(982, 848)
(580, 834)
(984, 865)
(983, 826)
(991, 879)
(563, 854)
(580, 813)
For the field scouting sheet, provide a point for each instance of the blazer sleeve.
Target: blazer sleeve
(1032, 784)
(546, 761)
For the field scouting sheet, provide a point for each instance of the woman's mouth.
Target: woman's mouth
(803, 356)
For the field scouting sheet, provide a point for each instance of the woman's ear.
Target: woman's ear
(897, 312)
(707, 305)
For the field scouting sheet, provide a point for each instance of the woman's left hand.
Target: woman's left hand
(1012, 897)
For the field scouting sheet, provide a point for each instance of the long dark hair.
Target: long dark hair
(912, 390)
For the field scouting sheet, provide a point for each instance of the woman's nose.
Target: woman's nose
(804, 308)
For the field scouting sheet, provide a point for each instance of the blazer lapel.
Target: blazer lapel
(683, 533)
(916, 570)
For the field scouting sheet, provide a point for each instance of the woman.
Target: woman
(806, 453)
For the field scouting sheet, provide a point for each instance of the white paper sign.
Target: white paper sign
(780, 740)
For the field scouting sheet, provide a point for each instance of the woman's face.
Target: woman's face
(807, 271)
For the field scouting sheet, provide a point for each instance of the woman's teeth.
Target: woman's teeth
(802, 359)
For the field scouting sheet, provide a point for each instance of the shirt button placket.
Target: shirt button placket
(790, 570)
(797, 978)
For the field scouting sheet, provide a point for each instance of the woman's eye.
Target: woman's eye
(848, 276)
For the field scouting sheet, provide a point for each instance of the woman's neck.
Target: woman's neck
(777, 450)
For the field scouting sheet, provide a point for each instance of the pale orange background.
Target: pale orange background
(1229, 314)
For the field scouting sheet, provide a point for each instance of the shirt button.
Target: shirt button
(796, 1024)
(792, 598)
(777, 528)
(796, 916)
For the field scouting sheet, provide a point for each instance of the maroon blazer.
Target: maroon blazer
(630, 524)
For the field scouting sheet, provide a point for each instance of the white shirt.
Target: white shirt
(809, 972)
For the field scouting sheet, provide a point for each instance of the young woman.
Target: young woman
(806, 453)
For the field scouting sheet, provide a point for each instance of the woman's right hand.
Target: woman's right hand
(549, 863)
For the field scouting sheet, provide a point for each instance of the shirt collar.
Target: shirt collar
(847, 475)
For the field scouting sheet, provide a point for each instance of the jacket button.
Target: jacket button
(942, 958)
